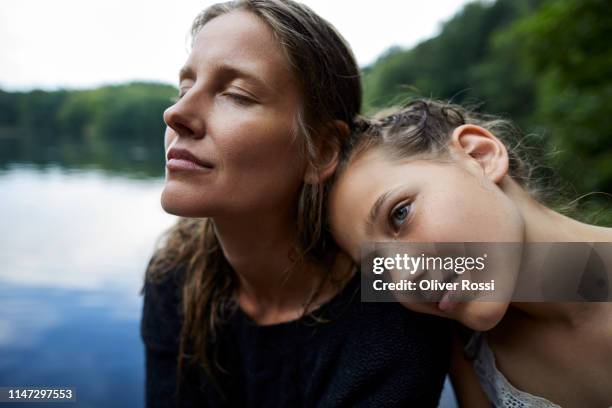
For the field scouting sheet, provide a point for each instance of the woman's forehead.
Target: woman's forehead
(242, 41)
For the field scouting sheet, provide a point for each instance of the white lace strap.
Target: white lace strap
(500, 392)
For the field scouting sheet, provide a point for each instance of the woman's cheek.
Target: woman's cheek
(169, 137)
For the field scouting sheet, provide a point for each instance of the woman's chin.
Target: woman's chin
(181, 203)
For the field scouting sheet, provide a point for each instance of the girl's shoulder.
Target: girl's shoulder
(493, 382)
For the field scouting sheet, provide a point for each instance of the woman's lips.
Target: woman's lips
(182, 164)
(182, 159)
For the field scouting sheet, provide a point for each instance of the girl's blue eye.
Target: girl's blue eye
(399, 215)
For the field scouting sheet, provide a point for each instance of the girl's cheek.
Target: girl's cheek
(482, 316)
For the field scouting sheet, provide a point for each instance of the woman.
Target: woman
(432, 172)
(266, 309)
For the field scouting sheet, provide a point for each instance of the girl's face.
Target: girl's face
(379, 199)
(235, 116)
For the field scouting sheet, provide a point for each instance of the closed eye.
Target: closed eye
(182, 92)
(239, 98)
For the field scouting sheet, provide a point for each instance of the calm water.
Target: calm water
(73, 249)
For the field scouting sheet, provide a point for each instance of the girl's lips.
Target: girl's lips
(446, 304)
(184, 164)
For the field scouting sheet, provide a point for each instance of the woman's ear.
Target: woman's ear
(480, 146)
(328, 153)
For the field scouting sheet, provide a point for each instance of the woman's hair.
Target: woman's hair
(328, 75)
(424, 127)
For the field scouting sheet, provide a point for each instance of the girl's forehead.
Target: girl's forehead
(383, 158)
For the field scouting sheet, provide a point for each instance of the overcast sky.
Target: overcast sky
(76, 44)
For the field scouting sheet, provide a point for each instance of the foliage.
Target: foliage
(566, 45)
(118, 127)
(115, 112)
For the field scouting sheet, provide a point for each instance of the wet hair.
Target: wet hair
(325, 68)
(423, 127)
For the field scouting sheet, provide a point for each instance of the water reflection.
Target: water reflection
(79, 229)
(52, 337)
(74, 247)
(126, 158)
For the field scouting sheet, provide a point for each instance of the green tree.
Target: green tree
(567, 46)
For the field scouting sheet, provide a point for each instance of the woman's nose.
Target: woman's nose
(183, 119)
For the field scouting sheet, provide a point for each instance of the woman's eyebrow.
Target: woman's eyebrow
(186, 72)
(225, 70)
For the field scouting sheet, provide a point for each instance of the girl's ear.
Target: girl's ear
(481, 147)
(328, 153)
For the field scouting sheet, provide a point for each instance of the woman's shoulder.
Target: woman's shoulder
(392, 317)
(394, 330)
(391, 353)
(161, 312)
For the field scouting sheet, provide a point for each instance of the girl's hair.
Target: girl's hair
(329, 77)
(424, 127)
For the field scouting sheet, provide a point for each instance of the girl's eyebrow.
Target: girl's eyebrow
(375, 210)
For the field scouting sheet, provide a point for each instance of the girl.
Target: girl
(247, 302)
(432, 172)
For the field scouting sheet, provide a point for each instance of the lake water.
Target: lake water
(73, 249)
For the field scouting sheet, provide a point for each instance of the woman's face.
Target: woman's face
(378, 199)
(235, 116)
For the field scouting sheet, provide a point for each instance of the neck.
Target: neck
(262, 251)
(545, 225)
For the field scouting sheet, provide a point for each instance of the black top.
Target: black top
(365, 354)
